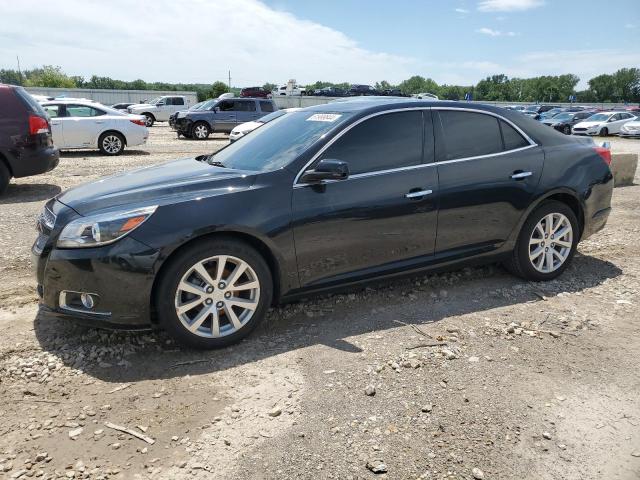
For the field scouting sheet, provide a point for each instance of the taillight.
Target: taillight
(604, 153)
(138, 122)
(38, 125)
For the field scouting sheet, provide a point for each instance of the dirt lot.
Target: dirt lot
(526, 381)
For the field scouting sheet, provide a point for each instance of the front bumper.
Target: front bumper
(634, 134)
(119, 276)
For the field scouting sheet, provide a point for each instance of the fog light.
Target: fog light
(87, 301)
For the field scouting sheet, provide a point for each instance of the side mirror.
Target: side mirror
(216, 109)
(326, 169)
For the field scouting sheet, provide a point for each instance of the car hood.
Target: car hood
(141, 106)
(166, 183)
(589, 124)
(247, 127)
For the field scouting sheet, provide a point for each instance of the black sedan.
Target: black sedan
(563, 122)
(317, 199)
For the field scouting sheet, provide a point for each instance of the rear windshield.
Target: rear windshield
(30, 102)
(279, 142)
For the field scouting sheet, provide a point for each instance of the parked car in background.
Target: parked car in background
(329, 92)
(564, 122)
(204, 104)
(289, 90)
(255, 92)
(358, 90)
(535, 110)
(41, 98)
(76, 124)
(221, 116)
(393, 92)
(631, 129)
(245, 128)
(160, 109)
(426, 96)
(122, 106)
(603, 124)
(549, 113)
(517, 108)
(26, 144)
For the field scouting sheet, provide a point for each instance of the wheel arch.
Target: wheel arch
(150, 114)
(5, 161)
(267, 252)
(110, 130)
(565, 195)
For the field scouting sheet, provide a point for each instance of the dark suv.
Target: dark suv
(26, 145)
(255, 92)
(221, 116)
(358, 90)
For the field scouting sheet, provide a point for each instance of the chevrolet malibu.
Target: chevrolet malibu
(317, 199)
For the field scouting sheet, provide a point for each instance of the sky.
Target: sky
(199, 41)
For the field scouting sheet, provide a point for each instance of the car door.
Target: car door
(225, 116)
(55, 112)
(488, 171)
(177, 104)
(82, 125)
(619, 119)
(383, 215)
(246, 111)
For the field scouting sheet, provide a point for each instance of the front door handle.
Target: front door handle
(99, 121)
(521, 175)
(418, 193)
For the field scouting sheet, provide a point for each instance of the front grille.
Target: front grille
(579, 129)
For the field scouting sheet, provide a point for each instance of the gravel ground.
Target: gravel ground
(465, 375)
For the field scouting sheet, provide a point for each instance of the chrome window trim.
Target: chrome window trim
(357, 176)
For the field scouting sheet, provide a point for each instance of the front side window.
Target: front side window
(83, 111)
(53, 110)
(226, 105)
(468, 134)
(384, 142)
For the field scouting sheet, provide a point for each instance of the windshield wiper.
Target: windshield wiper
(215, 163)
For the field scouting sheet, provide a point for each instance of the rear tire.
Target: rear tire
(200, 131)
(149, 120)
(5, 177)
(222, 309)
(566, 130)
(604, 132)
(111, 143)
(543, 253)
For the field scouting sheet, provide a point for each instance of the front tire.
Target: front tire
(604, 132)
(566, 130)
(200, 131)
(5, 177)
(111, 143)
(149, 120)
(546, 244)
(214, 293)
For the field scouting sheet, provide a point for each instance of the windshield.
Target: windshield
(563, 116)
(598, 117)
(271, 116)
(206, 105)
(552, 112)
(279, 142)
(154, 101)
(532, 108)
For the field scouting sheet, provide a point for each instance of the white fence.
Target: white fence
(109, 97)
(299, 101)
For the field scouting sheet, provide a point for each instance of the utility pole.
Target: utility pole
(229, 80)
(19, 71)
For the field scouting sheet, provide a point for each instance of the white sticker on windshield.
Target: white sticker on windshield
(323, 117)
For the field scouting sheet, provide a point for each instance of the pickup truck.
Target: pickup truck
(160, 109)
(220, 115)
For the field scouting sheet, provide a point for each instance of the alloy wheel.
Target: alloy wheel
(200, 131)
(217, 296)
(112, 144)
(550, 242)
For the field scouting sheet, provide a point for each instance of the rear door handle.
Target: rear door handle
(418, 193)
(99, 121)
(521, 175)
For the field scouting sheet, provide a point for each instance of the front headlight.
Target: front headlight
(97, 230)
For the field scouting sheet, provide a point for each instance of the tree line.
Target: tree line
(621, 86)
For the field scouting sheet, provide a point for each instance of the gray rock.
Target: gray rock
(370, 390)
(377, 466)
(275, 412)
(546, 435)
(477, 474)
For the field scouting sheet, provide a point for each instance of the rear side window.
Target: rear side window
(249, 106)
(384, 142)
(266, 106)
(29, 101)
(512, 139)
(178, 101)
(83, 111)
(468, 134)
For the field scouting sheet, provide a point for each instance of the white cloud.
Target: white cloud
(188, 41)
(508, 5)
(630, 25)
(462, 10)
(495, 33)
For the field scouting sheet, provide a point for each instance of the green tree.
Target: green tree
(626, 83)
(418, 84)
(49, 76)
(12, 77)
(269, 87)
(603, 87)
(383, 85)
(218, 88)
